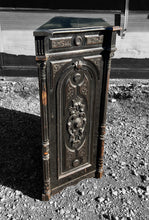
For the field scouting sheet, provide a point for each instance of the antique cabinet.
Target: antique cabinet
(73, 57)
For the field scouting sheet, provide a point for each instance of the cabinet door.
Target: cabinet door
(75, 102)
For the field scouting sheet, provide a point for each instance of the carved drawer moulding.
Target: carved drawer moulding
(60, 42)
(94, 39)
(75, 40)
(74, 59)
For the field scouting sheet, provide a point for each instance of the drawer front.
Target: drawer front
(76, 41)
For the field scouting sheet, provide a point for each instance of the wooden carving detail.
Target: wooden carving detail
(94, 39)
(84, 88)
(76, 94)
(61, 42)
(57, 65)
(76, 122)
(96, 60)
(70, 91)
(40, 46)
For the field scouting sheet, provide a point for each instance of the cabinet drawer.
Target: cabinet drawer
(76, 41)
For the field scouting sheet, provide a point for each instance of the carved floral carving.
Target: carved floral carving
(76, 122)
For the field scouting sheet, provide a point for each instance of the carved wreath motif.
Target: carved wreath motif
(76, 122)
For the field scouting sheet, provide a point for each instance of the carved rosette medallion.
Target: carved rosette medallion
(76, 122)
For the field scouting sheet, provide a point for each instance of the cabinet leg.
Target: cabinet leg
(47, 191)
(100, 153)
(46, 172)
(103, 109)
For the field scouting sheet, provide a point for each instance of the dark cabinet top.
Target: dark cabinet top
(72, 22)
(64, 24)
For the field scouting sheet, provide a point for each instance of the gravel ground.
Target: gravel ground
(123, 191)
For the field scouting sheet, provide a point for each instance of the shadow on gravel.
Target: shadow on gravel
(20, 152)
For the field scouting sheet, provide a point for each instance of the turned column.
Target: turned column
(44, 127)
(103, 109)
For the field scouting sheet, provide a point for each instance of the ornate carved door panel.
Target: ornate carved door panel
(76, 97)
